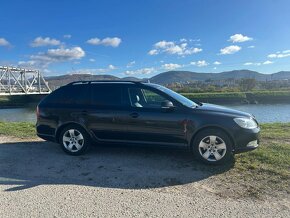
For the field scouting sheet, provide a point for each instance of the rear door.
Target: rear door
(107, 115)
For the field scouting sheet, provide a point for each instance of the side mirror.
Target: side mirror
(167, 105)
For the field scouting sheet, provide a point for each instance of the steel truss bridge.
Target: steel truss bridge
(19, 81)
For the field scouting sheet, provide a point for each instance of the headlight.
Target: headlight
(246, 123)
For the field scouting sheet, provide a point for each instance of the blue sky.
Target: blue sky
(143, 38)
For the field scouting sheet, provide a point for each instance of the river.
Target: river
(265, 113)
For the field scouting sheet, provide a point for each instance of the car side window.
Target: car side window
(145, 98)
(106, 95)
(70, 95)
(76, 94)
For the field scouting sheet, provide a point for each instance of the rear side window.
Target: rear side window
(68, 95)
(107, 95)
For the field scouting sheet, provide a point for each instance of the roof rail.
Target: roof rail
(104, 81)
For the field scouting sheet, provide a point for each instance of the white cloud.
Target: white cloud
(258, 63)
(192, 51)
(239, 38)
(181, 48)
(217, 63)
(164, 44)
(202, 63)
(43, 59)
(279, 54)
(268, 62)
(94, 41)
(171, 66)
(153, 52)
(286, 51)
(114, 42)
(4, 42)
(95, 70)
(230, 50)
(131, 64)
(174, 50)
(194, 40)
(251, 46)
(248, 63)
(272, 56)
(64, 54)
(111, 67)
(92, 60)
(68, 36)
(140, 71)
(26, 63)
(39, 41)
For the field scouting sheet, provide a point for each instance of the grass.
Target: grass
(271, 93)
(265, 170)
(18, 129)
(238, 96)
(215, 95)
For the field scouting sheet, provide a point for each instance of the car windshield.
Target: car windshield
(180, 98)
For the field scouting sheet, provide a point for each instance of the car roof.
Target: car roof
(105, 82)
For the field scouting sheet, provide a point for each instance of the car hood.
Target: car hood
(223, 110)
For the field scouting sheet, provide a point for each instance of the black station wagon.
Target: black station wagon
(80, 113)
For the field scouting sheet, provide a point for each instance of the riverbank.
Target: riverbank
(259, 173)
(15, 101)
(254, 97)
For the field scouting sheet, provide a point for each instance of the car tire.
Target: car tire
(74, 140)
(212, 146)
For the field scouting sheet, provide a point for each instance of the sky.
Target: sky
(142, 38)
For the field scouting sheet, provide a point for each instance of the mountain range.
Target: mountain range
(172, 77)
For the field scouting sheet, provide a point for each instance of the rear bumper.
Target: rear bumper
(45, 130)
(46, 137)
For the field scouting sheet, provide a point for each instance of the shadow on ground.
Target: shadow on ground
(29, 164)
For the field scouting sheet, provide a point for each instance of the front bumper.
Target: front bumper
(249, 147)
(246, 140)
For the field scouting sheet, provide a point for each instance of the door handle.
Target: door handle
(134, 115)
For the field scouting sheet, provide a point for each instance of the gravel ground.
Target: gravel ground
(38, 180)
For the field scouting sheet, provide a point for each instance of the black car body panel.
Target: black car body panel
(114, 119)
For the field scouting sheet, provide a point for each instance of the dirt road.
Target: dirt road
(38, 180)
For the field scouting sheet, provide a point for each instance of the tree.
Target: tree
(247, 84)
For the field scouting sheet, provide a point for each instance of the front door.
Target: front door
(149, 123)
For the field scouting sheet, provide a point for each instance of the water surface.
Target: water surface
(265, 113)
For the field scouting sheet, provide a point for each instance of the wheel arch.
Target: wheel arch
(212, 127)
(64, 125)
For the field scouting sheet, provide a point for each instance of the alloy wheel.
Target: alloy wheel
(212, 148)
(73, 140)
